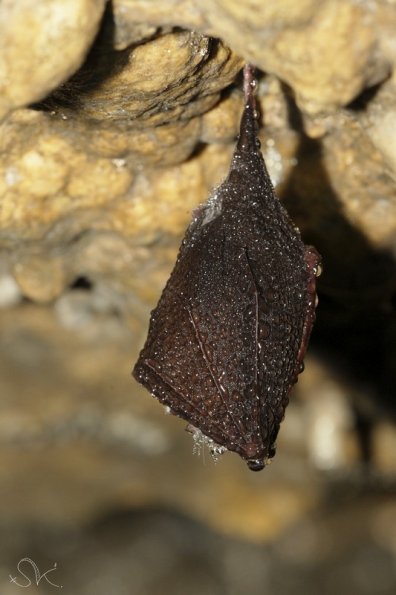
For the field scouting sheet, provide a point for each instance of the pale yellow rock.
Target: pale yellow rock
(39, 277)
(128, 32)
(328, 51)
(184, 12)
(220, 124)
(383, 134)
(98, 184)
(157, 145)
(162, 203)
(358, 174)
(34, 170)
(100, 179)
(40, 173)
(385, 23)
(273, 14)
(78, 420)
(55, 162)
(44, 175)
(379, 121)
(331, 60)
(32, 32)
(169, 78)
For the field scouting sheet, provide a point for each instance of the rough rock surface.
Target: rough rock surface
(106, 147)
(41, 45)
(327, 51)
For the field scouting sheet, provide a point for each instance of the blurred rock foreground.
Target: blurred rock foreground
(117, 120)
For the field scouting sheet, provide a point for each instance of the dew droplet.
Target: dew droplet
(318, 270)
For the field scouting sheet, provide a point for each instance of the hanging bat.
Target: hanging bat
(227, 339)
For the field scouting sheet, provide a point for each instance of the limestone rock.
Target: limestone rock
(366, 190)
(73, 413)
(39, 277)
(46, 176)
(98, 180)
(360, 180)
(379, 120)
(303, 44)
(31, 35)
(86, 155)
(172, 77)
(220, 124)
(306, 44)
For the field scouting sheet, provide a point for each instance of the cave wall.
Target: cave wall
(117, 120)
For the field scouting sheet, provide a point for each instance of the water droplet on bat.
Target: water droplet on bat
(219, 353)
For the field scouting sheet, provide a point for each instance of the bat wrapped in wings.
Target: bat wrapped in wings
(227, 339)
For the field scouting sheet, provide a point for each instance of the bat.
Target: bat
(227, 339)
